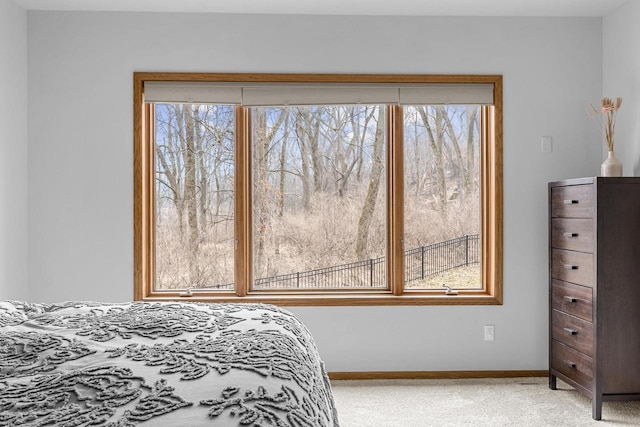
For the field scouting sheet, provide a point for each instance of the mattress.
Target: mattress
(159, 364)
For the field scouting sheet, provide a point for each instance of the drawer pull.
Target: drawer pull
(569, 235)
(570, 267)
(570, 202)
(571, 331)
(570, 364)
(570, 299)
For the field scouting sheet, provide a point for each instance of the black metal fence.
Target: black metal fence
(419, 263)
(359, 274)
(427, 261)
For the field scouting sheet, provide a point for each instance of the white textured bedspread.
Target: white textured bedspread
(160, 364)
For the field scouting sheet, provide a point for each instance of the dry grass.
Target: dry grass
(466, 277)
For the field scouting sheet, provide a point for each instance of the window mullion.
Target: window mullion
(395, 199)
(242, 198)
(149, 190)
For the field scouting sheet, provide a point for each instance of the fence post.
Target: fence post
(422, 262)
(371, 272)
(467, 249)
(298, 279)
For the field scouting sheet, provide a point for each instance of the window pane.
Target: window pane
(442, 196)
(194, 212)
(319, 197)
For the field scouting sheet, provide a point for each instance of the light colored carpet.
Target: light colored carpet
(472, 402)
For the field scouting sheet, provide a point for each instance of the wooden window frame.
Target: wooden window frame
(491, 194)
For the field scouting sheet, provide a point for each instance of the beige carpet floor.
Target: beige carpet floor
(472, 402)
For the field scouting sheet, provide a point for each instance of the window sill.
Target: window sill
(334, 299)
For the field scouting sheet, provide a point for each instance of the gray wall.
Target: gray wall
(13, 151)
(80, 155)
(621, 77)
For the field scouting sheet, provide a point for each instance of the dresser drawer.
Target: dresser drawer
(571, 233)
(572, 331)
(573, 364)
(573, 201)
(574, 267)
(572, 299)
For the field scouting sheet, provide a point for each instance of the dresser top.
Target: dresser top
(597, 179)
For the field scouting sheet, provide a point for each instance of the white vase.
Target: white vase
(611, 166)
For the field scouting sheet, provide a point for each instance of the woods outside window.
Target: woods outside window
(318, 189)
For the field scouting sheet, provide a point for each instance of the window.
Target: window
(318, 192)
(442, 197)
(318, 189)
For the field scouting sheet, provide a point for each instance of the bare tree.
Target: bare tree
(192, 149)
(283, 167)
(303, 135)
(190, 192)
(364, 223)
(472, 122)
(435, 132)
(346, 131)
(263, 135)
(169, 171)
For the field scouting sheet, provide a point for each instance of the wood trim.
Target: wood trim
(141, 255)
(395, 200)
(433, 375)
(148, 180)
(318, 78)
(491, 194)
(329, 299)
(497, 202)
(242, 203)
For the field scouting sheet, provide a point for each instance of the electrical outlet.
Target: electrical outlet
(489, 332)
(546, 144)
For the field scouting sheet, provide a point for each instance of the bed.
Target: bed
(159, 364)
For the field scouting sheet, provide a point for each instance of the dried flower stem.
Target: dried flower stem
(609, 108)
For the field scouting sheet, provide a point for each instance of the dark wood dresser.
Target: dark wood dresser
(594, 287)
